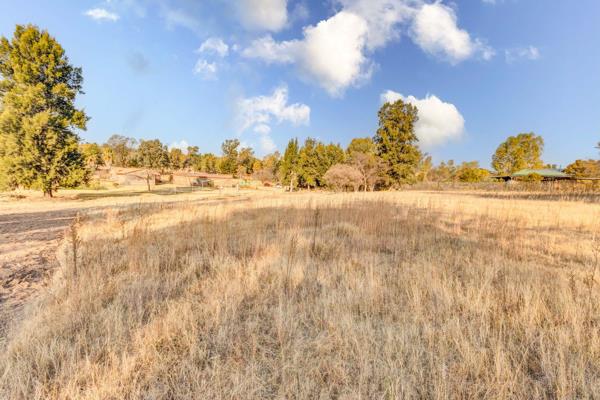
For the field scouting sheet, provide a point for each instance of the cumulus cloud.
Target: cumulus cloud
(438, 121)
(383, 18)
(263, 15)
(530, 53)
(331, 52)
(101, 14)
(260, 112)
(335, 53)
(206, 70)
(214, 45)
(435, 30)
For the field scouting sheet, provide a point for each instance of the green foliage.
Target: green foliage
(361, 145)
(38, 118)
(471, 172)
(92, 154)
(584, 169)
(153, 154)
(314, 159)
(246, 160)
(519, 152)
(229, 163)
(396, 141)
(288, 168)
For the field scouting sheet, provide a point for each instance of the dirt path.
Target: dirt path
(28, 242)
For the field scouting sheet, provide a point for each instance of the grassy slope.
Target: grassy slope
(319, 296)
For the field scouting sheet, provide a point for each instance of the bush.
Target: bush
(343, 177)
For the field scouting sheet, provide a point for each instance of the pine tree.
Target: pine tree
(397, 143)
(288, 168)
(38, 118)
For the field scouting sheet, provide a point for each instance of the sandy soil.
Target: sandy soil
(31, 229)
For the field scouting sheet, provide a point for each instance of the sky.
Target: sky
(201, 71)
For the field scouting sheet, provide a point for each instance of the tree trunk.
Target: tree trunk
(148, 180)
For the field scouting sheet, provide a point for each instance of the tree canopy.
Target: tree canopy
(519, 152)
(39, 146)
(396, 142)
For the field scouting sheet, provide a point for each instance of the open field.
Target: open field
(31, 228)
(417, 294)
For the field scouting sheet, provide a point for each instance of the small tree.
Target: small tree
(471, 172)
(152, 154)
(38, 117)
(229, 163)
(519, 152)
(343, 177)
(397, 143)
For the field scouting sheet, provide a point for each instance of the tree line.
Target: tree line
(40, 147)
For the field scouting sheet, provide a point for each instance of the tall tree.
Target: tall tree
(246, 160)
(519, 152)
(397, 143)
(38, 117)
(288, 167)
(152, 154)
(229, 163)
(308, 164)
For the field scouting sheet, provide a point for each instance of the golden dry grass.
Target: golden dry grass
(392, 295)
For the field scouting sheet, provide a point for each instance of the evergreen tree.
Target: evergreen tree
(308, 164)
(38, 118)
(288, 167)
(396, 141)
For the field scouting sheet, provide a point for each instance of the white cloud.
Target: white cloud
(181, 145)
(101, 14)
(438, 121)
(531, 53)
(260, 112)
(383, 18)
(331, 52)
(335, 53)
(270, 51)
(436, 31)
(263, 15)
(205, 69)
(214, 45)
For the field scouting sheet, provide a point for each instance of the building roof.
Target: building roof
(545, 173)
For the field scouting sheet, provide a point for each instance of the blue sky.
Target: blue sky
(268, 70)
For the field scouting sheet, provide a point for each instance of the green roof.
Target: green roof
(546, 173)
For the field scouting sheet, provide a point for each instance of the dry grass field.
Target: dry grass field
(351, 296)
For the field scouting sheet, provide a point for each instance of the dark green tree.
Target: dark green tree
(38, 117)
(308, 164)
(396, 142)
(288, 167)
